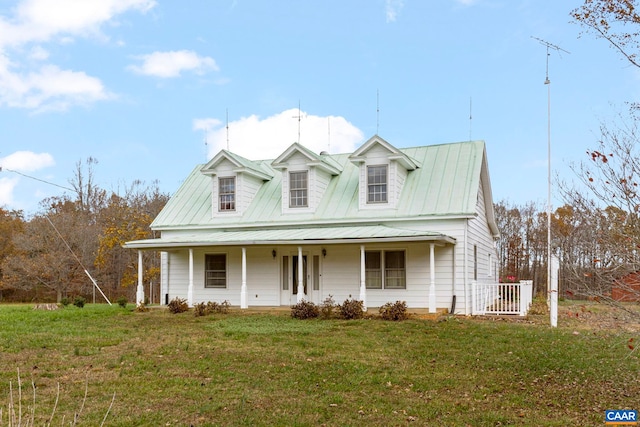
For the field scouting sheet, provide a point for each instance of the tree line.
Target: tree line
(49, 255)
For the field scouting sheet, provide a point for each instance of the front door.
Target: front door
(295, 276)
(289, 279)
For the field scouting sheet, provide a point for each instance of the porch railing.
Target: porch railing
(501, 298)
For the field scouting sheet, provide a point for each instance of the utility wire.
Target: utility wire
(37, 179)
(78, 259)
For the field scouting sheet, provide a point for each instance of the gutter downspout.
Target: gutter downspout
(465, 268)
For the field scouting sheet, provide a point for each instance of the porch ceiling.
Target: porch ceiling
(311, 235)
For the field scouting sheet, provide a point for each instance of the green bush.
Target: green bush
(351, 309)
(65, 301)
(79, 302)
(122, 302)
(327, 308)
(178, 305)
(394, 311)
(304, 310)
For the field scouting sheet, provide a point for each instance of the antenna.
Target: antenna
(549, 46)
(377, 111)
(227, 129)
(552, 301)
(299, 116)
(329, 134)
(470, 118)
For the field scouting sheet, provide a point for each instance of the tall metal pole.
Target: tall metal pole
(550, 301)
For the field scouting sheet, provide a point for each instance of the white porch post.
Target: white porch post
(190, 288)
(243, 288)
(432, 274)
(363, 283)
(140, 288)
(301, 294)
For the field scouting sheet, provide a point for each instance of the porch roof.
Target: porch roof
(311, 235)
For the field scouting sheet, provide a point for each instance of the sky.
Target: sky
(152, 88)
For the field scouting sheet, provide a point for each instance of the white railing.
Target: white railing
(501, 298)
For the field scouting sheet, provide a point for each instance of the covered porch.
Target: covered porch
(308, 263)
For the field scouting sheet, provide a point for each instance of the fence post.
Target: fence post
(526, 296)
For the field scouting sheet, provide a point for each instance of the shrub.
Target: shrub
(221, 308)
(327, 308)
(206, 308)
(304, 310)
(200, 309)
(141, 307)
(79, 302)
(178, 305)
(394, 311)
(122, 302)
(351, 309)
(65, 301)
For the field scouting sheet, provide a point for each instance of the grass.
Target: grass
(246, 369)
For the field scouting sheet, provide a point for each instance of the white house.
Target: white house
(381, 224)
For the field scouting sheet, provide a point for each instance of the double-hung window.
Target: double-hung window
(385, 270)
(298, 189)
(377, 184)
(226, 194)
(215, 271)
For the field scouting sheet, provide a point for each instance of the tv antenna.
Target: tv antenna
(470, 117)
(551, 289)
(377, 111)
(227, 127)
(549, 46)
(299, 117)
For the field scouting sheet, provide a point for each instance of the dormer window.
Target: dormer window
(377, 184)
(298, 189)
(227, 194)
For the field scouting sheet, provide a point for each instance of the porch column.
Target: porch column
(190, 288)
(432, 274)
(140, 288)
(363, 282)
(243, 288)
(301, 294)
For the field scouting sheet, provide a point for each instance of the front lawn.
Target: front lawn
(269, 369)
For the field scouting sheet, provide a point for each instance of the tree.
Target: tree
(11, 223)
(616, 21)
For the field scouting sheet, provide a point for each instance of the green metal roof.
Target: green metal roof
(445, 184)
(330, 235)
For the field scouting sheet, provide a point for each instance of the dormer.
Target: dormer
(234, 182)
(383, 170)
(305, 177)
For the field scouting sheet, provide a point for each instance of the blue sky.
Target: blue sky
(147, 87)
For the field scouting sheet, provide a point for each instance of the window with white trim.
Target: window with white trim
(377, 178)
(298, 189)
(215, 271)
(385, 270)
(226, 194)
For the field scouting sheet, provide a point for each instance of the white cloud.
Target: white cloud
(172, 63)
(392, 9)
(41, 20)
(20, 161)
(258, 139)
(7, 187)
(47, 87)
(26, 161)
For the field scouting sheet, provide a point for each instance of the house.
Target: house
(381, 224)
